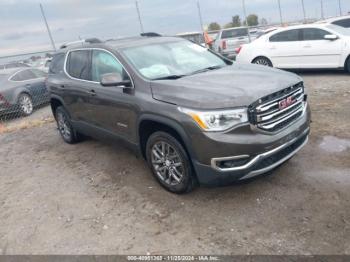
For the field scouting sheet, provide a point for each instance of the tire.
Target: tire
(64, 125)
(347, 65)
(261, 60)
(25, 104)
(170, 163)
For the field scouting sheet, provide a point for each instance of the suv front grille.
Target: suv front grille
(278, 110)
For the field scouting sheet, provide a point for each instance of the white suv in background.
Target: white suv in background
(300, 47)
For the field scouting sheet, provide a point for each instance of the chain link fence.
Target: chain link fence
(24, 98)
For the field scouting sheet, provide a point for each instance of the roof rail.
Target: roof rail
(150, 34)
(81, 42)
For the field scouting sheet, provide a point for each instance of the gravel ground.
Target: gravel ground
(94, 198)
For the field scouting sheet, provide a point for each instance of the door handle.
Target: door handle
(91, 92)
(307, 46)
(62, 87)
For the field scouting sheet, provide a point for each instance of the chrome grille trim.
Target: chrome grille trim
(270, 104)
(267, 115)
(271, 125)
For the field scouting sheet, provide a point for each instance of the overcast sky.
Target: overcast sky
(22, 28)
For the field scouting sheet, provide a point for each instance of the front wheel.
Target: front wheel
(262, 61)
(169, 163)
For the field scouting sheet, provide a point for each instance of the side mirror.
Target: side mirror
(114, 79)
(331, 37)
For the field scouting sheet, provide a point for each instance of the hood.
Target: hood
(231, 86)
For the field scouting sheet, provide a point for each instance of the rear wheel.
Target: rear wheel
(169, 163)
(262, 61)
(65, 127)
(25, 103)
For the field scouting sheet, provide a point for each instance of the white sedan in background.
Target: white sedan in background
(300, 47)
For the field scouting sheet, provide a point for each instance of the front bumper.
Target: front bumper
(259, 164)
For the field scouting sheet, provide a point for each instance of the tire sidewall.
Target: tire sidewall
(265, 58)
(61, 110)
(348, 65)
(187, 184)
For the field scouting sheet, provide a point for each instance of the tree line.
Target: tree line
(252, 20)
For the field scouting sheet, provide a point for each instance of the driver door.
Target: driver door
(112, 108)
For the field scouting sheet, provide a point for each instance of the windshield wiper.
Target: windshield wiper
(170, 77)
(209, 68)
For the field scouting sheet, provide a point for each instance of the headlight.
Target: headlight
(219, 120)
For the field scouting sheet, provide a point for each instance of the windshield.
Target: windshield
(171, 59)
(339, 29)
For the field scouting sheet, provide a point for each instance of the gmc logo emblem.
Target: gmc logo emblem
(286, 102)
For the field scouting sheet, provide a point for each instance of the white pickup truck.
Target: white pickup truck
(229, 39)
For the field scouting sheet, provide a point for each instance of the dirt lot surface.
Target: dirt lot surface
(94, 198)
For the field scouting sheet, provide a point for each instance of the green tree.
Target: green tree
(236, 21)
(214, 26)
(228, 25)
(252, 20)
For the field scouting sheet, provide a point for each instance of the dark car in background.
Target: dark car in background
(21, 89)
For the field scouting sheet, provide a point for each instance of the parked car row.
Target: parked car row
(309, 46)
(229, 42)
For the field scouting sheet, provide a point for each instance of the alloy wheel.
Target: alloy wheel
(26, 104)
(262, 61)
(63, 126)
(167, 163)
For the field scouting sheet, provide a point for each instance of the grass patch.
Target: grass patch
(25, 124)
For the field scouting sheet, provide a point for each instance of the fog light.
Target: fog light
(232, 163)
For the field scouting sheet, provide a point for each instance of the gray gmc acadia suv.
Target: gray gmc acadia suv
(196, 117)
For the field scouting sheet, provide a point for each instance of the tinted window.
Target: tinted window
(286, 36)
(105, 63)
(343, 23)
(78, 64)
(310, 34)
(234, 33)
(57, 64)
(23, 76)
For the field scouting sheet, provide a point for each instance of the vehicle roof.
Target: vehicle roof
(12, 71)
(233, 28)
(333, 19)
(125, 42)
(281, 29)
(189, 33)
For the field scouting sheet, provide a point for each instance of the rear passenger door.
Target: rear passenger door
(284, 49)
(318, 52)
(76, 91)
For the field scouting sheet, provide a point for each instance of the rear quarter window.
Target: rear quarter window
(286, 36)
(57, 64)
(79, 64)
(23, 76)
(234, 33)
